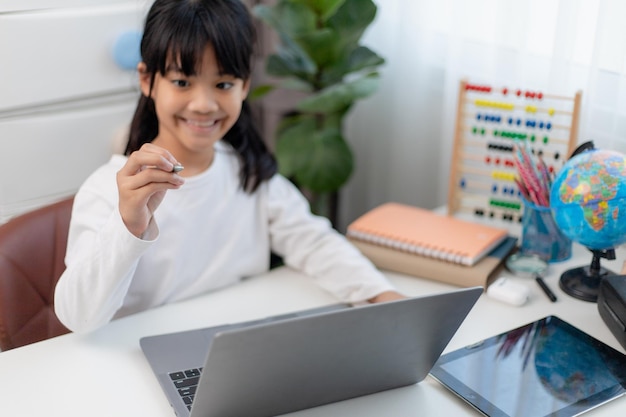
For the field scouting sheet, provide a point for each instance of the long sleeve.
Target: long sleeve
(309, 243)
(101, 260)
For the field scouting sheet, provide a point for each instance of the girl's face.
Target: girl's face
(196, 111)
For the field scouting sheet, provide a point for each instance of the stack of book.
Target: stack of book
(420, 242)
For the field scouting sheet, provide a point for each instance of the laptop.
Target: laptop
(305, 359)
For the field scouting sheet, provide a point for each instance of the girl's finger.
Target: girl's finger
(150, 156)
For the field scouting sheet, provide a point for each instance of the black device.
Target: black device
(545, 368)
(612, 305)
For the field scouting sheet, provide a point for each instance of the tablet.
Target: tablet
(545, 368)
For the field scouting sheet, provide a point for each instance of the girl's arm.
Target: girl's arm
(100, 261)
(310, 244)
(112, 225)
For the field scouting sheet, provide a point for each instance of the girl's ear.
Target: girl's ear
(144, 78)
(246, 88)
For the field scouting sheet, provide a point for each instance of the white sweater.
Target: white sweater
(206, 235)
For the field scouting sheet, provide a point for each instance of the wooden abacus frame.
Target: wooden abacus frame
(491, 140)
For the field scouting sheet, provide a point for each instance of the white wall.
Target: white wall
(63, 98)
(403, 135)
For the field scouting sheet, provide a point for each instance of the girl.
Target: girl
(143, 234)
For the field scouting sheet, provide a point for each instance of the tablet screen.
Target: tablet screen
(545, 368)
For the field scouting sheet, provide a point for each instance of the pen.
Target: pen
(176, 168)
(545, 288)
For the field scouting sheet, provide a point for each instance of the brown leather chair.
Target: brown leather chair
(32, 252)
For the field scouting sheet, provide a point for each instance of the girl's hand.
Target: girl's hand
(142, 183)
(387, 296)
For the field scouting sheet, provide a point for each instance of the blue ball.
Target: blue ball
(126, 50)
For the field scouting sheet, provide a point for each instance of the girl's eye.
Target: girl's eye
(225, 85)
(180, 83)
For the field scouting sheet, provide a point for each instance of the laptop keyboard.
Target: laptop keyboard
(186, 382)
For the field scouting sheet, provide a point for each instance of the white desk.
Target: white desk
(105, 374)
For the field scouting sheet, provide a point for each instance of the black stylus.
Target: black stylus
(545, 288)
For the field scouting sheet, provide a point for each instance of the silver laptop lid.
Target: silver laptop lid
(303, 362)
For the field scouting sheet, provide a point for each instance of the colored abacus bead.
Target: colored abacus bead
(531, 109)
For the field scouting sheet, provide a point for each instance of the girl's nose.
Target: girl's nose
(203, 101)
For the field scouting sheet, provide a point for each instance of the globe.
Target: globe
(588, 199)
(588, 203)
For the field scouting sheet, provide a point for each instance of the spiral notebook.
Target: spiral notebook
(426, 233)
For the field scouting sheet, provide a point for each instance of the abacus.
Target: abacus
(489, 122)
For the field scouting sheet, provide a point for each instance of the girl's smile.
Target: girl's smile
(202, 127)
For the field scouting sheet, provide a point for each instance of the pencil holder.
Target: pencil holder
(541, 236)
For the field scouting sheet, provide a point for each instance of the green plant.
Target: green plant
(319, 54)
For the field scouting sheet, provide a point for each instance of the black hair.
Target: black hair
(181, 30)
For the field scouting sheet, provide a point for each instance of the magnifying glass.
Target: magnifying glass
(530, 266)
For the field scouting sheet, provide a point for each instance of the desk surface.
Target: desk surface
(104, 373)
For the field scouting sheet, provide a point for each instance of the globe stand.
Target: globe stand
(583, 282)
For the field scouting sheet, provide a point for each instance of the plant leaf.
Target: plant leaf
(323, 8)
(289, 20)
(340, 96)
(260, 91)
(319, 160)
(329, 164)
(293, 135)
(296, 84)
(288, 64)
(362, 57)
(320, 45)
(358, 59)
(351, 20)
